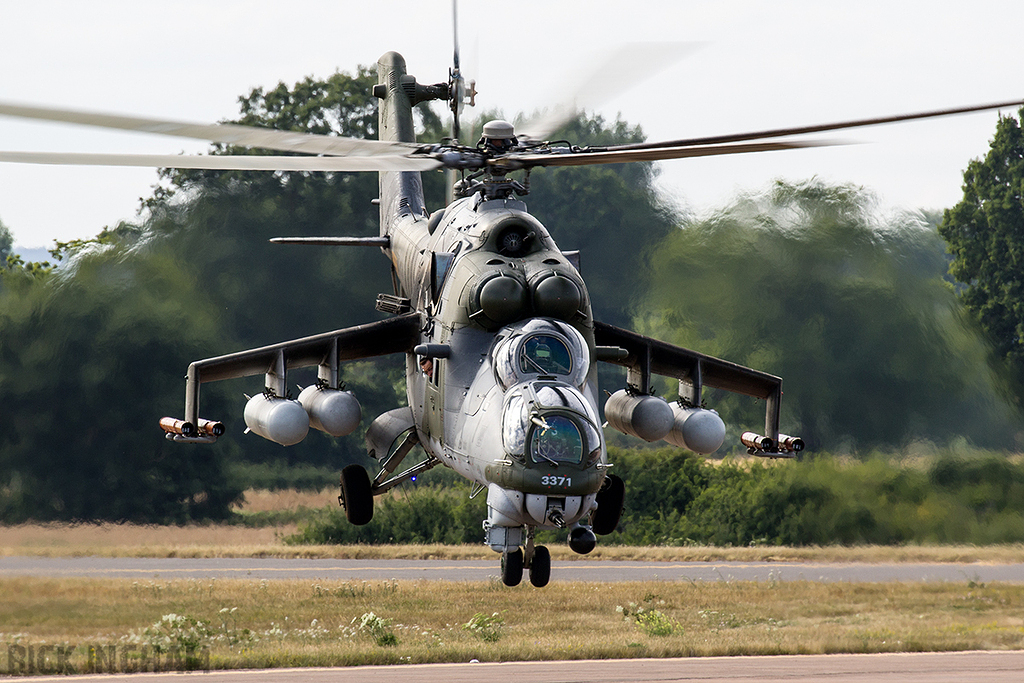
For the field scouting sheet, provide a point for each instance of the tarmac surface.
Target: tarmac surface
(481, 570)
(941, 667)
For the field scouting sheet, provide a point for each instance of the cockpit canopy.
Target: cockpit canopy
(549, 422)
(541, 348)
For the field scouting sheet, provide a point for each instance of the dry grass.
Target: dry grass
(258, 500)
(298, 623)
(135, 540)
(131, 540)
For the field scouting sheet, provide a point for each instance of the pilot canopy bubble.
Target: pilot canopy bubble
(541, 348)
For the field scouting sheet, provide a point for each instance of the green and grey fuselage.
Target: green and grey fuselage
(504, 389)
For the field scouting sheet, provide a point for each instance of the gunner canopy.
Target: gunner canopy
(549, 422)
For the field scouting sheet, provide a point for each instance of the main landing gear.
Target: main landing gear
(357, 491)
(610, 500)
(356, 495)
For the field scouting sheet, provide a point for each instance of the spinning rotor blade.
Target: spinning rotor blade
(229, 162)
(625, 67)
(619, 156)
(225, 133)
(782, 132)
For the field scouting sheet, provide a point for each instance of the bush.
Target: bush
(420, 515)
(676, 498)
(962, 497)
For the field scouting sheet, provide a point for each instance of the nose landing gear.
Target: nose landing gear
(537, 559)
(512, 567)
(540, 567)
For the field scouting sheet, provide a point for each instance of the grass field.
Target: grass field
(64, 625)
(237, 624)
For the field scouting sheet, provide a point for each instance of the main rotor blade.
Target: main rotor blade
(619, 156)
(626, 66)
(782, 132)
(225, 133)
(228, 162)
(335, 241)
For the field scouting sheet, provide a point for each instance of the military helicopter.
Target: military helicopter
(493, 319)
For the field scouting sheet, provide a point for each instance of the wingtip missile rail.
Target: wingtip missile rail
(183, 431)
(765, 447)
(172, 425)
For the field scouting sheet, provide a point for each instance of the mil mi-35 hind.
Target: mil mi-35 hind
(501, 351)
(493, 319)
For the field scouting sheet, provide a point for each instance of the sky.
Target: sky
(758, 65)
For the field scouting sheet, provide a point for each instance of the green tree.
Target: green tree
(83, 353)
(217, 225)
(985, 233)
(6, 243)
(807, 282)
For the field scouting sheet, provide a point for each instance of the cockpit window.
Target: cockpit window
(557, 440)
(549, 421)
(545, 354)
(540, 347)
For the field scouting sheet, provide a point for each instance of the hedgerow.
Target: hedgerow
(675, 498)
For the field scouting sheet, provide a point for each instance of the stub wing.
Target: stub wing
(644, 356)
(393, 335)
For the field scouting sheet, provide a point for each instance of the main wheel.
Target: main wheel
(610, 500)
(540, 567)
(512, 567)
(356, 495)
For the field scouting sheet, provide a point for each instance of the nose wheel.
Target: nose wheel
(537, 559)
(540, 567)
(512, 567)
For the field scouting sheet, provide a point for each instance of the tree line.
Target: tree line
(808, 281)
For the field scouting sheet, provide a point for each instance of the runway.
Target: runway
(479, 570)
(941, 667)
